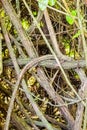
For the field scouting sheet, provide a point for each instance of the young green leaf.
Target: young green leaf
(51, 2)
(25, 24)
(67, 48)
(73, 12)
(76, 34)
(71, 19)
(72, 53)
(34, 13)
(43, 4)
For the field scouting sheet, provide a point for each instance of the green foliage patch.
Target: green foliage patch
(71, 18)
(44, 3)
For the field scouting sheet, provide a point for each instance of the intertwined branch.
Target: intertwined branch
(56, 60)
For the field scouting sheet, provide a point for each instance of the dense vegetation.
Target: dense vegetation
(43, 64)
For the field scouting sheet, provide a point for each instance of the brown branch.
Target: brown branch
(82, 93)
(31, 53)
(21, 107)
(32, 27)
(29, 96)
(53, 37)
(43, 81)
(16, 22)
(55, 97)
(17, 45)
(53, 121)
(19, 123)
(50, 63)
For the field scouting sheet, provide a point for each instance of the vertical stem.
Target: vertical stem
(85, 117)
(82, 31)
(1, 65)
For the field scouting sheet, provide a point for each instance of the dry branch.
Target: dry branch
(53, 37)
(50, 62)
(82, 93)
(38, 112)
(30, 50)
(21, 32)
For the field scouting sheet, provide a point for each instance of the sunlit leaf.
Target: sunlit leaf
(67, 48)
(9, 25)
(43, 4)
(76, 76)
(2, 13)
(25, 24)
(72, 53)
(31, 80)
(77, 55)
(52, 2)
(41, 24)
(1, 36)
(34, 13)
(76, 34)
(71, 18)
(73, 13)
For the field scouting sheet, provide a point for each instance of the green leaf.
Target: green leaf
(2, 13)
(71, 18)
(25, 24)
(76, 35)
(43, 4)
(52, 2)
(72, 53)
(73, 12)
(34, 13)
(67, 48)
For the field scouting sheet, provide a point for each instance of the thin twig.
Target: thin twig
(11, 105)
(85, 118)
(21, 32)
(1, 64)
(82, 30)
(52, 51)
(52, 35)
(17, 45)
(82, 93)
(32, 27)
